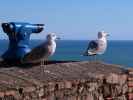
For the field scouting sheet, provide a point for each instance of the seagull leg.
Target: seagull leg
(43, 69)
(42, 64)
(45, 64)
(95, 58)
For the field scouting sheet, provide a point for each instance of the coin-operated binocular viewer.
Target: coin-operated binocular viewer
(19, 36)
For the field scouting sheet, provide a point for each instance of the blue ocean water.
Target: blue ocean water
(118, 52)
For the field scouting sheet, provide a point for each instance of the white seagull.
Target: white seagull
(43, 51)
(97, 47)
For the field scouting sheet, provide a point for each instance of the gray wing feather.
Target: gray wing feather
(92, 48)
(93, 45)
(37, 53)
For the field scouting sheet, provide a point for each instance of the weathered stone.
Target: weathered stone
(92, 86)
(51, 96)
(112, 78)
(51, 86)
(100, 97)
(41, 92)
(124, 88)
(116, 90)
(68, 84)
(2, 94)
(122, 79)
(106, 90)
(73, 81)
(123, 97)
(29, 89)
(90, 97)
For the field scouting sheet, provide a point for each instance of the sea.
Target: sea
(118, 51)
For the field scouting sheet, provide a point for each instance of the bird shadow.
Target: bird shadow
(5, 64)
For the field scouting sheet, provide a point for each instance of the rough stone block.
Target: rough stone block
(68, 84)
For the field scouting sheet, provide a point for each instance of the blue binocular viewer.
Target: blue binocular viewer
(19, 36)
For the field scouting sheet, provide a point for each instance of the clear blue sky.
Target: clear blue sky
(77, 19)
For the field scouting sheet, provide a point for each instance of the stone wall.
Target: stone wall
(89, 81)
(111, 87)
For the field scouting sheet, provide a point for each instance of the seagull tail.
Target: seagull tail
(85, 53)
(89, 53)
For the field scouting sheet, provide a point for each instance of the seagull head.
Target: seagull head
(102, 34)
(52, 36)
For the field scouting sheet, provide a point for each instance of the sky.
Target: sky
(76, 19)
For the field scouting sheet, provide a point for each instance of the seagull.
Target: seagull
(43, 51)
(97, 47)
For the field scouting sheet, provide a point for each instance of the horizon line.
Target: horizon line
(80, 39)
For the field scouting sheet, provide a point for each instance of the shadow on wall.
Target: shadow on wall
(29, 65)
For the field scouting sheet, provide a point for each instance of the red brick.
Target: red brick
(130, 90)
(130, 96)
(109, 98)
(130, 84)
(1, 94)
(130, 78)
(10, 93)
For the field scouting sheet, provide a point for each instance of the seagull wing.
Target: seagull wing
(93, 45)
(37, 53)
(92, 48)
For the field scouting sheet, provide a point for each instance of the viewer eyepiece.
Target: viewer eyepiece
(39, 27)
(7, 27)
